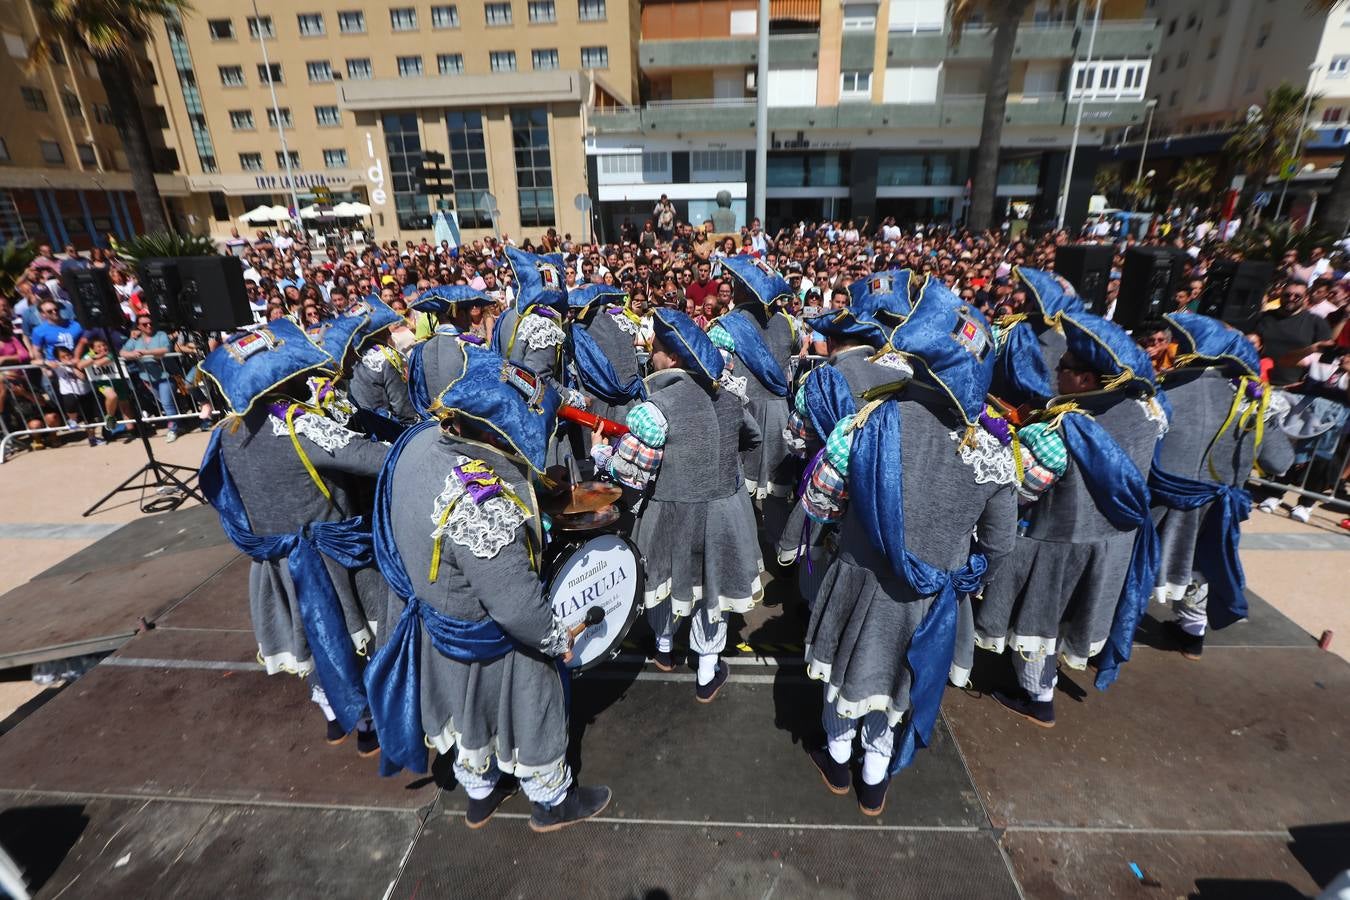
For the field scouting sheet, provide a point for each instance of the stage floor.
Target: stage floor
(178, 768)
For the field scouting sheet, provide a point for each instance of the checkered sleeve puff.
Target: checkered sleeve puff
(636, 459)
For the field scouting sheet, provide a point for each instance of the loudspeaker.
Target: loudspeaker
(1088, 268)
(1234, 291)
(1148, 284)
(96, 304)
(212, 297)
(160, 287)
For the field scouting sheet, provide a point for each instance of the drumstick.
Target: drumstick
(594, 616)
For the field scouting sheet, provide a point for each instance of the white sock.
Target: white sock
(321, 700)
(841, 749)
(663, 644)
(707, 667)
(874, 767)
(365, 724)
(1044, 695)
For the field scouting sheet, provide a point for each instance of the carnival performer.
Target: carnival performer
(761, 339)
(1080, 577)
(1221, 424)
(284, 478)
(908, 478)
(434, 363)
(602, 349)
(379, 381)
(696, 530)
(470, 666)
(857, 341)
(1031, 341)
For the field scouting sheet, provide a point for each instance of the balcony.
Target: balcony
(1115, 38)
(1124, 37)
(790, 50)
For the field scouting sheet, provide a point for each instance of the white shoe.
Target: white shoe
(170, 437)
(1302, 513)
(1270, 505)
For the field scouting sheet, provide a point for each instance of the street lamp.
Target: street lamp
(1298, 138)
(1148, 127)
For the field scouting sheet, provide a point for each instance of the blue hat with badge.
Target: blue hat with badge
(505, 398)
(337, 335)
(953, 345)
(444, 298)
(378, 316)
(845, 324)
(759, 279)
(1048, 293)
(579, 298)
(882, 297)
(690, 344)
(1206, 341)
(539, 279)
(1104, 347)
(252, 363)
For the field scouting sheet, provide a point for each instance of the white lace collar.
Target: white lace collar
(539, 332)
(328, 434)
(484, 528)
(374, 359)
(626, 325)
(991, 461)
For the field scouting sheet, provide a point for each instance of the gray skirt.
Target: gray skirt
(1178, 532)
(769, 468)
(701, 554)
(860, 631)
(275, 610)
(808, 544)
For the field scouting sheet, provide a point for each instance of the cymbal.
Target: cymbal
(592, 520)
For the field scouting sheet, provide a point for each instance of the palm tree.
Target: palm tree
(1333, 213)
(1005, 16)
(1267, 137)
(1194, 180)
(112, 32)
(14, 259)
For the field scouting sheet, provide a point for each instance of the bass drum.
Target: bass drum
(604, 571)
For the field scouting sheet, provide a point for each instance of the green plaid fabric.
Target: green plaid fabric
(838, 445)
(648, 425)
(1046, 445)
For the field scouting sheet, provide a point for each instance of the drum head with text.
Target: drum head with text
(605, 572)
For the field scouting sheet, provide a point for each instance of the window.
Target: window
(358, 69)
(450, 63)
(403, 18)
(502, 60)
(270, 72)
(860, 16)
(34, 99)
(58, 53)
(1171, 27)
(544, 59)
(591, 10)
(855, 85)
(327, 116)
(294, 157)
(919, 15)
(715, 165)
(103, 114)
(1182, 58)
(445, 16)
(1190, 21)
(1332, 114)
(52, 152)
(311, 24)
(285, 117)
(595, 57)
(909, 169)
(543, 11)
(534, 169)
(241, 119)
(260, 26)
(635, 168)
(319, 70)
(498, 13)
(1263, 35)
(403, 141)
(1213, 48)
(468, 162)
(86, 154)
(409, 66)
(4, 151)
(71, 101)
(1172, 99)
(220, 29)
(251, 162)
(232, 76)
(1109, 79)
(1162, 65)
(1337, 68)
(335, 159)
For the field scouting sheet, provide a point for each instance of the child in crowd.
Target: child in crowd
(76, 394)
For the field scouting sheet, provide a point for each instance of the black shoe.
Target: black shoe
(664, 660)
(367, 743)
(335, 733)
(1039, 712)
(872, 797)
(1190, 645)
(479, 811)
(579, 804)
(834, 774)
(705, 693)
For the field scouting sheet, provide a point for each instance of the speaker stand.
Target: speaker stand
(169, 489)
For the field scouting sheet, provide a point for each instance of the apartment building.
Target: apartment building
(364, 89)
(873, 110)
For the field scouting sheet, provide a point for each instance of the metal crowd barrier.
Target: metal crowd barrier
(38, 388)
(1339, 496)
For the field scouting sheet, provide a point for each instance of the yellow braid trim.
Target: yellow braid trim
(300, 450)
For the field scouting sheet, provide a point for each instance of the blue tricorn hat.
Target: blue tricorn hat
(579, 298)
(1205, 341)
(845, 324)
(378, 316)
(758, 279)
(539, 279)
(1047, 293)
(690, 344)
(444, 298)
(252, 363)
(882, 297)
(337, 335)
(504, 398)
(1105, 348)
(953, 346)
